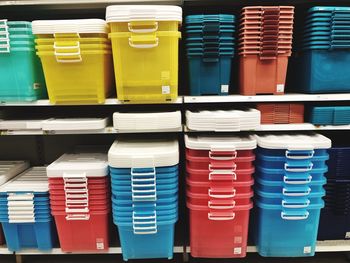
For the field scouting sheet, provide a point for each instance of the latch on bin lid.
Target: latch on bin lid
(4, 37)
(222, 151)
(143, 26)
(65, 53)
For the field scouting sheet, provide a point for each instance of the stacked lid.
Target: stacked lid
(210, 36)
(68, 39)
(281, 113)
(25, 199)
(9, 169)
(326, 28)
(331, 115)
(79, 185)
(266, 31)
(219, 120)
(16, 36)
(147, 122)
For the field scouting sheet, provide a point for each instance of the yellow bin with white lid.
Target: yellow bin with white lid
(77, 60)
(145, 45)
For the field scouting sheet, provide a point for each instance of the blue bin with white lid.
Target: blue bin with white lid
(26, 224)
(286, 232)
(144, 197)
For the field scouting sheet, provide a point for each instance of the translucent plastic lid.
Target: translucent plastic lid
(79, 26)
(143, 153)
(9, 169)
(220, 143)
(21, 124)
(128, 13)
(31, 180)
(70, 124)
(294, 141)
(80, 164)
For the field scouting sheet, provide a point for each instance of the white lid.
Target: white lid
(80, 26)
(79, 164)
(31, 180)
(143, 153)
(142, 122)
(21, 124)
(71, 124)
(128, 13)
(294, 141)
(220, 143)
(219, 120)
(9, 169)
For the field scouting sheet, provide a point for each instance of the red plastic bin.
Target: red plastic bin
(205, 200)
(220, 189)
(284, 113)
(89, 235)
(218, 233)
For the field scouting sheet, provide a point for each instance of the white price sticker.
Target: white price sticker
(100, 244)
(347, 235)
(280, 87)
(224, 88)
(165, 89)
(307, 250)
(237, 250)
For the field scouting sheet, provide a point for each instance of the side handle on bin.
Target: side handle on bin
(303, 215)
(141, 27)
(72, 217)
(221, 216)
(133, 44)
(222, 192)
(295, 204)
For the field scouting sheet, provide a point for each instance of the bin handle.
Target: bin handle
(231, 190)
(144, 30)
(222, 175)
(67, 57)
(293, 154)
(72, 217)
(20, 197)
(287, 216)
(221, 216)
(212, 168)
(223, 155)
(306, 168)
(143, 46)
(287, 204)
(286, 192)
(212, 205)
(301, 181)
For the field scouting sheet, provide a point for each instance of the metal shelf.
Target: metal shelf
(109, 101)
(268, 98)
(5, 251)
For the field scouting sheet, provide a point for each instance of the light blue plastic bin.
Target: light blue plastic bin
(161, 194)
(294, 235)
(159, 244)
(38, 235)
(170, 181)
(291, 189)
(143, 207)
(163, 201)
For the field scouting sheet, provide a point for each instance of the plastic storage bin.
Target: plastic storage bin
(75, 71)
(219, 190)
(324, 45)
(337, 115)
(76, 181)
(145, 51)
(22, 77)
(265, 43)
(281, 113)
(338, 164)
(233, 120)
(210, 50)
(27, 221)
(144, 196)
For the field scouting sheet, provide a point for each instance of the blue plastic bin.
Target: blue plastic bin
(159, 244)
(285, 201)
(338, 164)
(281, 232)
(274, 162)
(39, 235)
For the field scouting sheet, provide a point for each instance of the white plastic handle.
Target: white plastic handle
(145, 30)
(143, 46)
(20, 197)
(210, 193)
(144, 197)
(221, 206)
(295, 205)
(72, 217)
(222, 157)
(77, 210)
(288, 181)
(212, 216)
(18, 221)
(20, 208)
(141, 230)
(232, 169)
(288, 193)
(299, 157)
(222, 173)
(306, 169)
(285, 216)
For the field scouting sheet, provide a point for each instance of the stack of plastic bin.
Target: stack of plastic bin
(210, 49)
(337, 200)
(324, 45)
(80, 201)
(265, 44)
(336, 115)
(145, 42)
(25, 211)
(8, 170)
(282, 113)
(22, 78)
(77, 59)
(219, 191)
(289, 183)
(144, 196)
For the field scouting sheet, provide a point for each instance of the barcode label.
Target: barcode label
(224, 88)
(100, 244)
(280, 87)
(307, 250)
(165, 89)
(347, 235)
(237, 250)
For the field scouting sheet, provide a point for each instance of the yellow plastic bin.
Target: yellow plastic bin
(145, 43)
(78, 78)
